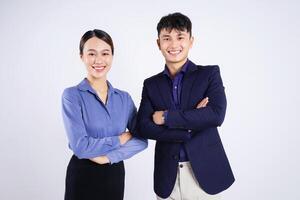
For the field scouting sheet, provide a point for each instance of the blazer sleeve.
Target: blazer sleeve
(210, 116)
(146, 128)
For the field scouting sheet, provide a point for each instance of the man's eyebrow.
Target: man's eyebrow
(182, 33)
(96, 50)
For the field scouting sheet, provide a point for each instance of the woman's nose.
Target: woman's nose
(99, 59)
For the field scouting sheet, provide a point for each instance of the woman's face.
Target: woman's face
(97, 57)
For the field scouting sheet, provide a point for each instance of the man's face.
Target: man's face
(175, 45)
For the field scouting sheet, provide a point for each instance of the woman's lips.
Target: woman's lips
(98, 68)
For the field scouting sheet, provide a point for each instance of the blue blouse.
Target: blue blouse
(93, 128)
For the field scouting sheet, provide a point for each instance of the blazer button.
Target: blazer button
(176, 157)
(181, 165)
(189, 130)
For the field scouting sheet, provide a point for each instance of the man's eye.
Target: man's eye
(105, 54)
(91, 54)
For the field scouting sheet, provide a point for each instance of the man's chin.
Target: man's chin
(177, 60)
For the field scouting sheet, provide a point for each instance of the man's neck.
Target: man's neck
(174, 68)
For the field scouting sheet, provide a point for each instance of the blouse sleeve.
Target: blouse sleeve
(134, 145)
(80, 142)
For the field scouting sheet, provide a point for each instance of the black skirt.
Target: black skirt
(87, 180)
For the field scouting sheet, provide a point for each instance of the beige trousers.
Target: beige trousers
(186, 186)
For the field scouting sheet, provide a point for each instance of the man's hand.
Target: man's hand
(202, 103)
(124, 137)
(158, 117)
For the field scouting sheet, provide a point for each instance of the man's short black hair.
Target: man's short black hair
(175, 21)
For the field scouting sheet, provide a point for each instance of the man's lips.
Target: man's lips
(174, 52)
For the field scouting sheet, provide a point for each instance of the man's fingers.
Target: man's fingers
(203, 103)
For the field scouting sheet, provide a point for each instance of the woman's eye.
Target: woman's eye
(91, 54)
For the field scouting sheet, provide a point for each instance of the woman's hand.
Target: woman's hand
(100, 160)
(125, 137)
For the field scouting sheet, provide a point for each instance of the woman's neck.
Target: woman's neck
(99, 85)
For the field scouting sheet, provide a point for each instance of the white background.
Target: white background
(256, 44)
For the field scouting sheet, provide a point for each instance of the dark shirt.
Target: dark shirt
(176, 94)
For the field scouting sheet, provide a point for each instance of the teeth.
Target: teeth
(174, 52)
(98, 67)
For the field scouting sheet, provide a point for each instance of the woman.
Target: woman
(96, 116)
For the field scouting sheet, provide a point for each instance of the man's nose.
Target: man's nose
(174, 43)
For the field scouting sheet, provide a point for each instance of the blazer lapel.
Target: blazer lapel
(164, 91)
(187, 85)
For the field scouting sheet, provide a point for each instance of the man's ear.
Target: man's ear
(192, 41)
(158, 43)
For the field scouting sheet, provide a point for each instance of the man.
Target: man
(181, 109)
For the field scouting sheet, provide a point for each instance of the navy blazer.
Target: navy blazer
(195, 128)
